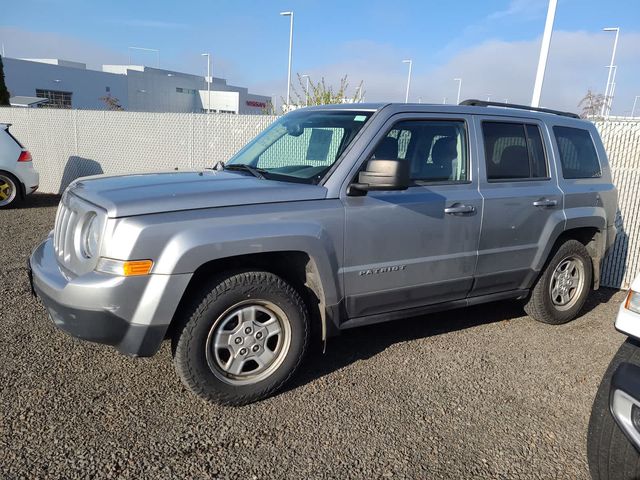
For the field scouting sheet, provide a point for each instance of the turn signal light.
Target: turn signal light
(137, 267)
(25, 156)
(125, 268)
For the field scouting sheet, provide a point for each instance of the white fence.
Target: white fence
(67, 144)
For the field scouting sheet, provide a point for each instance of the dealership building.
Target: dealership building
(66, 84)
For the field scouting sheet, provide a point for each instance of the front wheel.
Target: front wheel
(611, 456)
(562, 288)
(243, 338)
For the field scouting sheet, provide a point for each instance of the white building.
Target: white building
(137, 88)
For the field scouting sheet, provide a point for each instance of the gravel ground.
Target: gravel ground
(478, 393)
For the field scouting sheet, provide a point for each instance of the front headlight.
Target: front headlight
(90, 236)
(633, 301)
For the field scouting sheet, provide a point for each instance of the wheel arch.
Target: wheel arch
(296, 267)
(21, 187)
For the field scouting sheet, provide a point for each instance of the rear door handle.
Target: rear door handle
(545, 202)
(457, 209)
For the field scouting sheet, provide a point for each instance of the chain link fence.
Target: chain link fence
(67, 144)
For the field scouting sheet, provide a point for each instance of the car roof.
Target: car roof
(503, 110)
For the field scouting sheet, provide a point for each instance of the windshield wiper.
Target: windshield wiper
(256, 172)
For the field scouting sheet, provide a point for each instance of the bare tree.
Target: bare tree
(592, 104)
(111, 103)
(322, 94)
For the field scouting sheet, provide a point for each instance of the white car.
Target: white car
(18, 178)
(613, 440)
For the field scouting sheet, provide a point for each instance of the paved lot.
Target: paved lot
(477, 393)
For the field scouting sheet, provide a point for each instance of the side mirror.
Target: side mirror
(383, 175)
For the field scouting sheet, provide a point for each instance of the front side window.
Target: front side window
(577, 153)
(435, 149)
(513, 151)
(302, 146)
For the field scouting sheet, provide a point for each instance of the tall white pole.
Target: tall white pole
(459, 80)
(290, 15)
(633, 110)
(406, 96)
(608, 97)
(544, 53)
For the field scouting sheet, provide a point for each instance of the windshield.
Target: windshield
(303, 145)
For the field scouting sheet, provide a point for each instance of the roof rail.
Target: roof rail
(484, 103)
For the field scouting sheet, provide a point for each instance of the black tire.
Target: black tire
(540, 305)
(610, 454)
(14, 184)
(210, 308)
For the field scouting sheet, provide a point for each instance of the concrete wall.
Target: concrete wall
(67, 144)
(23, 78)
(138, 88)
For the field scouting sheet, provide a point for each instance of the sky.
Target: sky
(493, 45)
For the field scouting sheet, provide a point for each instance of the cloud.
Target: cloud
(525, 8)
(20, 43)
(506, 70)
(150, 24)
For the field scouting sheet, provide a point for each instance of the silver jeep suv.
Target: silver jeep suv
(332, 218)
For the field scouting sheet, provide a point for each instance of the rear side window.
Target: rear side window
(14, 138)
(513, 151)
(577, 153)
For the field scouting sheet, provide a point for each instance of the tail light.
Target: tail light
(25, 156)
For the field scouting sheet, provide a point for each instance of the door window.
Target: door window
(513, 151)
(436, 149)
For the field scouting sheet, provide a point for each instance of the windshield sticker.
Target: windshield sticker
(360, 118)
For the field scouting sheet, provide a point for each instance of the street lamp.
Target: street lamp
(289, 14)
(544, 53)
(208, 80)
(633, 110)
(606, 105)
(406, 96)
(306, 90)
(146, 50)
(459, 80)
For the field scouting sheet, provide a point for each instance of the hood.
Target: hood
(128, 195)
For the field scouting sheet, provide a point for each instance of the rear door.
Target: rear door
(406, 249)
(522, 202)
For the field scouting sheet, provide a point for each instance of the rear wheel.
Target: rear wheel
(611, 456)
(9, 190)
(562, 288)
(243, 338)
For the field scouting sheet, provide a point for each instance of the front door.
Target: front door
(417, 247)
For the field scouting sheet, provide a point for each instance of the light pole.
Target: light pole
(544, 53)
(208, 81)
(146, 50)
(406, 96)
(306, 90)
(633, 110)
(606, 105)
(290, 15)
(459, 80)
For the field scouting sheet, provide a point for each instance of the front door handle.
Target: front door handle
(458, 209)
(545, 202)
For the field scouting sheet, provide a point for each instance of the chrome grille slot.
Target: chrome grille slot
(70, 212)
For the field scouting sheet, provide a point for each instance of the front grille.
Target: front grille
(63, 233)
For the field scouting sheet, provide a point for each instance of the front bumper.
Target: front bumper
(624, 401)
(129, 313)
